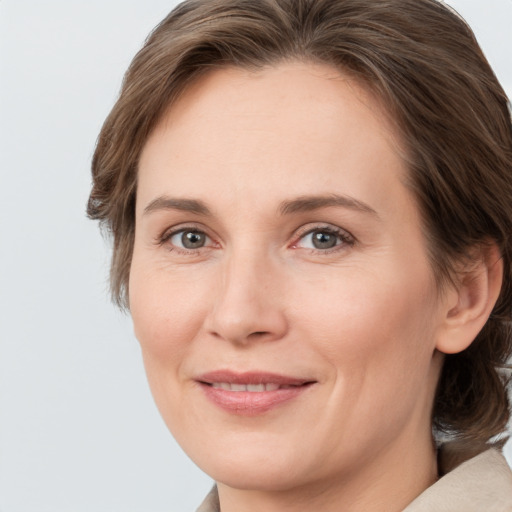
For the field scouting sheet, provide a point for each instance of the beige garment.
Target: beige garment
(481, 484)
(211, 502)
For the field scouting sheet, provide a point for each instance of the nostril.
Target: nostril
(258, 334)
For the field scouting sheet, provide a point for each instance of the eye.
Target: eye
(324, 238)
(187, 239)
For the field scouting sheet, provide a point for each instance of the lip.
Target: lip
(251, 403)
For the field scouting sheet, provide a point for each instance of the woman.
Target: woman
(310, 208)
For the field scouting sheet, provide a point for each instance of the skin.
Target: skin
(363, 319)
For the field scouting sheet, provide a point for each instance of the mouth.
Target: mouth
(251, 388)
(251, 393)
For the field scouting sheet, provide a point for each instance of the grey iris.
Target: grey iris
(193, 239)
(323, 240)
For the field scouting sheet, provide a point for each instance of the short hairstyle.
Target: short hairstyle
(422, 61)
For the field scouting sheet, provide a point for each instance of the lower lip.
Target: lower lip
(251, 403)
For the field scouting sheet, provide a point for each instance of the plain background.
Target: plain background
(78, 428)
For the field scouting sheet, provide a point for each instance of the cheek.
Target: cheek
(167, 313)
(378, 325)
(376, 337)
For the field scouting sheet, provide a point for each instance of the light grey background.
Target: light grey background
(78, 429)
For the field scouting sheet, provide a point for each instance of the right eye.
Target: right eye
(187, 239)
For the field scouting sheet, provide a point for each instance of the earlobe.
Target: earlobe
(469, 305)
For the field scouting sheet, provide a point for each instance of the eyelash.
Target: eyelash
(344, 238)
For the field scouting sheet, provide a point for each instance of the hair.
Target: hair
(422, 61)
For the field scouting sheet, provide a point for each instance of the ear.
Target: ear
(469, 304)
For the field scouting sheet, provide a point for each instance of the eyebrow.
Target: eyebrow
(172, 203)
(310, 203)
(299, 205)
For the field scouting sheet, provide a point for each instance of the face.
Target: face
(280, 287)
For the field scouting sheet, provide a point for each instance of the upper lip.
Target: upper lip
(251, 377)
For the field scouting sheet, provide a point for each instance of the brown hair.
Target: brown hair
(423, 62)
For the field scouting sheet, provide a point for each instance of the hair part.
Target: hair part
(422, 62)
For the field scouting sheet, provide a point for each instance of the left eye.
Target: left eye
(322, 239)
(189, 239)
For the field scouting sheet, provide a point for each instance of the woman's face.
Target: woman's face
(280, 287)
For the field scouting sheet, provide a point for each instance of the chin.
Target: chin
(250, 466)
(256, 476)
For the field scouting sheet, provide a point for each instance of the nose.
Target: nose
(248, 304)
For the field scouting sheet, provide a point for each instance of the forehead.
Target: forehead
(290, 128)
(307, 92)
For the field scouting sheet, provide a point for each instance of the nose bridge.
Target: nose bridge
(246, 304)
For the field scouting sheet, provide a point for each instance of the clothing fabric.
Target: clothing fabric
(481, 484)
(211, 502)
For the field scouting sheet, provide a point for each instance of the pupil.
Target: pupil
(192, 240)
(323, 240)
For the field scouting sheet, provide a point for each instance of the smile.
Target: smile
(251, 393)
(251, 388)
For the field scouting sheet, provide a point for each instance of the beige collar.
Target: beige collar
(481, 484)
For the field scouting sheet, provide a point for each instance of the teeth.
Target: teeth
(254, 388)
